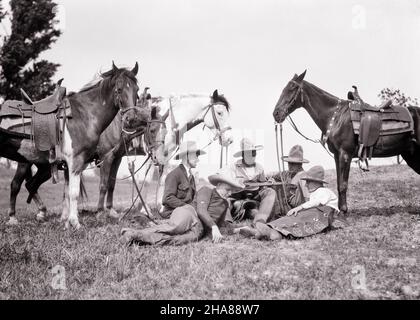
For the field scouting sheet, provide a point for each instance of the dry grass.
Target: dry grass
(383, 238)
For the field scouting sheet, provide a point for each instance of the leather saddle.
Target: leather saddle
(370, 122)
(45, 120)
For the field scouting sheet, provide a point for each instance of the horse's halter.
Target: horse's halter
(118, 90)
(216, 122)
(299, 92)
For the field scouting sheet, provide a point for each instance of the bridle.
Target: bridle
(216, 122)
(152, 145)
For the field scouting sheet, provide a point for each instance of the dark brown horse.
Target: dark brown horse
(333, 114)
(113, 145)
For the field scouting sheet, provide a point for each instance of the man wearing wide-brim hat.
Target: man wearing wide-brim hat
(258, 204)
(191, 225)
(311, 217)
(296, 191)
(180, 185)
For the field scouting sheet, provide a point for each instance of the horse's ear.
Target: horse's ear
(135, 69)
(215, 94)
(60, 82)
(114, 67)
(295, 77)
(301, 77)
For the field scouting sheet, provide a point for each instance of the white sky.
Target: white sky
(249, 50)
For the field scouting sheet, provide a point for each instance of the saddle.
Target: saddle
(370, 123)
(45, 118)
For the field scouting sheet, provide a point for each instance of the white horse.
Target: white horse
(184, 112)
(180, 114)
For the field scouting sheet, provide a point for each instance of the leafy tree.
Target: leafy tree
(32, 32)
(398, 97)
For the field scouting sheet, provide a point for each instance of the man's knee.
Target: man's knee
(268, 193)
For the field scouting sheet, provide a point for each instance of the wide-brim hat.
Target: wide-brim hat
(316, 174)
(247, 145)
(222, 177)
(295, 155)
(188, 147)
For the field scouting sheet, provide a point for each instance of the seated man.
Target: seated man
(180, 186)
(311, 217)
(248, 170)
(188, 225)
(296, 191)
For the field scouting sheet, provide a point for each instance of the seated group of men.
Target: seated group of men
(306, 208)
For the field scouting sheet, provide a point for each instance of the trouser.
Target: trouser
(267, 203)
(307, 222)
(182, 227)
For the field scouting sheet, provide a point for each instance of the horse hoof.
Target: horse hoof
(113, 214)
(12, 222)
(99, 213)
(40, 217)
(75, 224)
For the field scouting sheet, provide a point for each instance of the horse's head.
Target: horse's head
(123, 83)
(154, 136)
(290, 99)
(216, 118)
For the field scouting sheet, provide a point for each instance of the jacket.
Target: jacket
(179, 190)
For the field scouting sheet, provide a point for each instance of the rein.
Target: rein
(324, 138)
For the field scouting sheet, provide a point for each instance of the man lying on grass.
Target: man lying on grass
(184, 226)
(309, 218)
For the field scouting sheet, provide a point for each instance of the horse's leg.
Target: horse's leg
(103, 184)
(413, 159)
(66, 204)
(20, 174)
(111, 186)
(73, 195)
(342, 164)
(42, 175)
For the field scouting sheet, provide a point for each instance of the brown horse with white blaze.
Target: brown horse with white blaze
(332, 116)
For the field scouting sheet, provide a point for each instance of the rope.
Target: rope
(278, 162)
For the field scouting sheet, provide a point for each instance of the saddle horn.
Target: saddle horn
(25, 97)
(60, 82)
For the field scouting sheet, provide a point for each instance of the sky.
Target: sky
(249, 50)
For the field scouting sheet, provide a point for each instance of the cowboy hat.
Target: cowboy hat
(223, 177)
(247, 145)
(316, 174)
(188, 147)
(295, 155)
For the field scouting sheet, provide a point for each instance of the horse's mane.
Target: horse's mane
(105, 80)
(321, 91)
(220, 98)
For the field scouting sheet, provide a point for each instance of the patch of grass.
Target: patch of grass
(383, 240)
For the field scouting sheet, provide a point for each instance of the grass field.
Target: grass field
(376, 257)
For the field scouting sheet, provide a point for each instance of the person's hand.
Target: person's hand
(216, 235)
(293, 212)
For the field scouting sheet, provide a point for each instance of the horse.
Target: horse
(332, 116)
(184, 112)
(115, 143)
(93, 108)
(181, 113)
